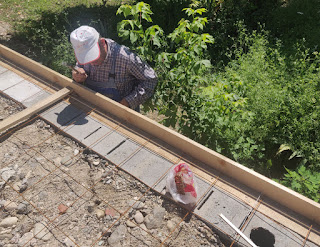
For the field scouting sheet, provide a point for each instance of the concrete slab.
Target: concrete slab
(61, 114)
(147, 166)
(221, 202)
(2, 69)
(87, 130)
(268, 230)
(35, 98)
(108, 143)
(8, 79)
(123, 152)
(22, 90)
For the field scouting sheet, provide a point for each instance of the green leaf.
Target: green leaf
(282, 148)
(125, 9)
(188, 11)
(206, 63)
(146, 17)
(133, 37)
(295, 185)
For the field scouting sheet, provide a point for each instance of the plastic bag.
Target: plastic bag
(181, 185)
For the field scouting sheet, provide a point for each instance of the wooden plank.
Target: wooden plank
(244, 175)
(26, 113)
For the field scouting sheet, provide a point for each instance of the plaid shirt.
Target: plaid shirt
(135, 80)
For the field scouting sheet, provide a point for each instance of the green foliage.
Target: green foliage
(281, 103)
(181, 70)
(304, 182)
(145, 40)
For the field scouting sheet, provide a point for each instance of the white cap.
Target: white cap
(85, 42)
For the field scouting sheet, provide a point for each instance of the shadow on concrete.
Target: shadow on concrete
(69, 115)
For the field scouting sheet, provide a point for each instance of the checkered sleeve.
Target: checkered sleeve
(146, 81)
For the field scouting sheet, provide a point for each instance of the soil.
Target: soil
(53, 192)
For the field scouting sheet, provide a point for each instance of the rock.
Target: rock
(99, 213)
(136, 204)
(43, 195)
(25, 238)
(68, 242)
(108, 217)
(171, 225)
(105, 174)
(2, 184)
(154, 220)
(10, 206)
(110, 211)
(213, 239)
(118, 235)
(66, 161)
(5, 236)
(29, 173)
(109, 181)
(22, 176)
(129, 223)
(90, 207)
(23, 187)
(23, 208)
(96, 162)
(7, 173)
(62, 208)
(24, 228)
(9, 221)
(16, 186)
(138, 217)
(41, 231)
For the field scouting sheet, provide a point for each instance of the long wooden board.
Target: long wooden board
(292, 200)
(26, 113)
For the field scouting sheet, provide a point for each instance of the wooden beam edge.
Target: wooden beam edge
(252, 179)
(26, 113)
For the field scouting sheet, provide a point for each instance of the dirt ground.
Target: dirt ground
(53, 192)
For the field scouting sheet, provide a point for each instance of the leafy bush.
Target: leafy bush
(280, 96)
(181, 70)
(303, 181)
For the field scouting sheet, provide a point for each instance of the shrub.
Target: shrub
(303, 181)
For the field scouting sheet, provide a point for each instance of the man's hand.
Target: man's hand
(79, 77)
(124, 102)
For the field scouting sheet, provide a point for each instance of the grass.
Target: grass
(13, 11)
